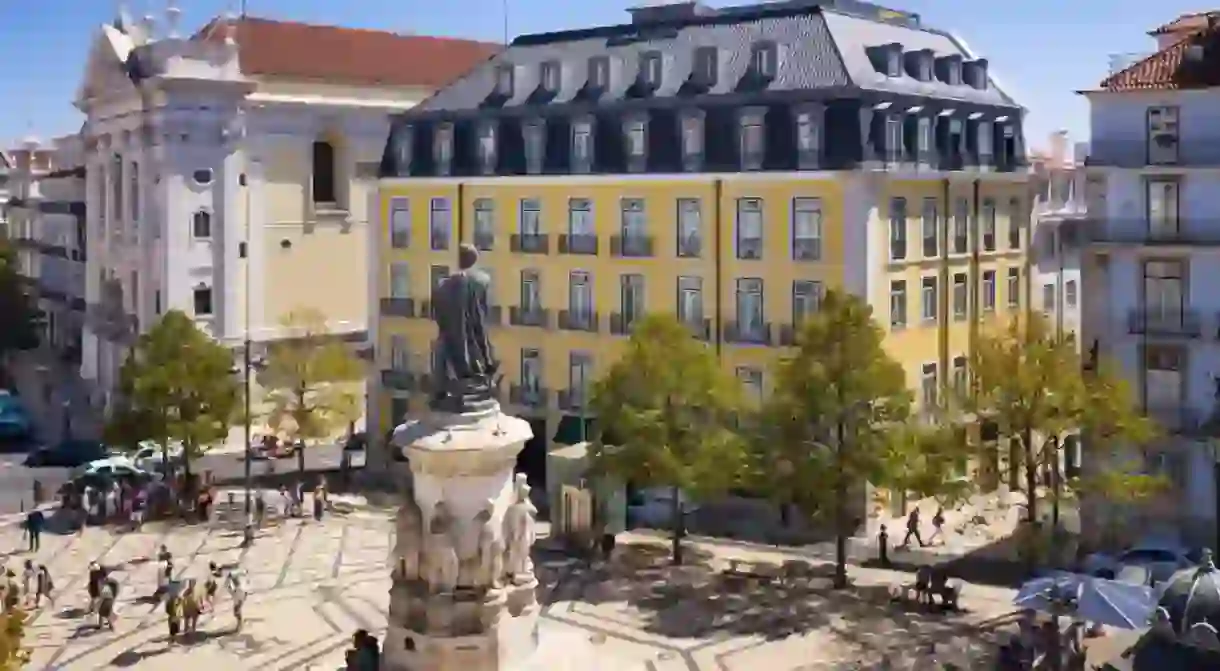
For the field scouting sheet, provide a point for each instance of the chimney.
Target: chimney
(172, 16)
(1059, 148)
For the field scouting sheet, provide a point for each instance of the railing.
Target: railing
(529, 316)
(690, 248)
(573, 399)
(700, 328)
(1143, 232)
(806, 249)
(736, 332)
(1175, 418)
(530, 243)
(495, 315)
(788, 333)
(1163, 322)
(529, 396)
(631, 246)
(579, 320)
(623, 323)
(438, 241)
(749, 248)
(578, 243)
(398, 307)
(484, 242)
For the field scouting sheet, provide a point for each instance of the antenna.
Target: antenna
(242, 11)
(504, 11)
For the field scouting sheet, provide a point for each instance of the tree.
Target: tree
(308, 381)
(828, 424)
(177, 384)
(665, 413)
(1032, 384)
(18, 309)
(13, 656)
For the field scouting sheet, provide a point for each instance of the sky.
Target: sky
(1041, 50)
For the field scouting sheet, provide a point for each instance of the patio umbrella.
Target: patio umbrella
(1115, 604)
(1053, 593)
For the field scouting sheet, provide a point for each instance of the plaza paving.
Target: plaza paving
(314, 584)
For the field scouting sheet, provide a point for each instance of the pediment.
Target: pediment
(105, 72)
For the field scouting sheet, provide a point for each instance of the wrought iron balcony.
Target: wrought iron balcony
(806, 249)
(529, 396)
(579, 243)
(530, 243)
(529, 316)
(747, 334)
(579, 320)
(700, 328)
(1180, 322)
(624, 323)
(573, 400)
(495, 315)
(484, 241)
(631, 246)
(439, 240)
(788, 333)
(690, 247)
(1175, 418)
(398, 379)
(750, 248)
(1118, 231)
(1139, 153)
(398, 307)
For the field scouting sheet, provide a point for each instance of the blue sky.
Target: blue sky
(1043, 50)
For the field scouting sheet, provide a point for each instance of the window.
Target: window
(988, 290)
(961, 226)
(707, 65)
(988, 225)
(1016, 222)
(400, 223)
(806, 229)
(806, 299)
(534, 137)
(692, 140)
(764, 60)
(1163, 206)
(893, 138)
(116, 188)
(202, 300)
(752, 380)
(404, 148)
(959, 296)
(751, 142)
(690, 300)
(635, 136)
(599, 72)
(202, 176)
(504, 81)
(400, 280)
(133, 177)
(631, 297)
(580, 376)
(651, 68)
(580, 292)
(580, 216)
(531, 217)
(959, 374)
(929, 226)
(1014, 287)
(1048, 297)
(487, 147)
(1164, 378)
(690, 228)
(633, 222)
(323, 183)
(928, 387)
(1162, 135)
(442, 148)
(928, 289)
(898, 304)
(749, 228)
(1069, 293)
(549, 76)
(582, 146)
(201, 224)
(808, 138)
(750, 315)
(984, 130)
(1165, 292)
(924, 136)
(531, 369)
(893, 62)
(440, 224)
(484, 224)
(898, 229)
(531, 291)
(157, 302)
(953, 72)
(400, 354)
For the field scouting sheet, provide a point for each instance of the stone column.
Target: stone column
(463, 594)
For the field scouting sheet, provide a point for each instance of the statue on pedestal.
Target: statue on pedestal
(519, 533)
(442, 560)
(409, 538)
(465, 367)
(491, 548)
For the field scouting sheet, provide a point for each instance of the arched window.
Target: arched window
(324, 173)
(201, 224)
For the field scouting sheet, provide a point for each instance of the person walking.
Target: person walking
(45, 586)
(260, 509)
(94, 587)
(319, 502)
(191, 606)
(28, 574)
(35, 522)
(938, 523)
(913, 530)
(173, 614)
(105, 604)
(236, 585)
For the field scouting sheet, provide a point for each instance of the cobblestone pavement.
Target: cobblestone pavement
(314, 584)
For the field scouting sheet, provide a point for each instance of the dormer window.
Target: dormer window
(487, 147)
(920, 65)
(692, 140)
(549, 76)
(599, 73)
(950, 70)
(764, 60)
(808, 137)
(404, 149)
(635, 138)
(893, 61)
(582, 145)
(504, 81)
(751, 140)
(975, 74)
(442, 148)
(534, 137)
(707, 66)
(651, 67)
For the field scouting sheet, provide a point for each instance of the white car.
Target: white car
(150, 457)
(1149, 562)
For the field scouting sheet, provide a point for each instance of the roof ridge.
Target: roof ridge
(1158, 53)
(353, 29)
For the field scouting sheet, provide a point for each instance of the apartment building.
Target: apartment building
(46, 211)
(1059, 230)
(231, 171)
(1154, 227)
(723, 165)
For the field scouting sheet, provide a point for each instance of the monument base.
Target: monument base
(559, 648)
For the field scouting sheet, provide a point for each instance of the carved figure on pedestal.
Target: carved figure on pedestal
(519, 533)
(442, 560)
(466, 369)
(409, 538)
(491, 548)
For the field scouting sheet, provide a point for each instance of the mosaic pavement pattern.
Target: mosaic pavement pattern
(314, 584)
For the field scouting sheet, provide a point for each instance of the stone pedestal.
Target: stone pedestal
(463, 594)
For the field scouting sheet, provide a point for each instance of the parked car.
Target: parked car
(1149, 562)
(15, 423)
(68, 454)
(151, 457)
(103, 472)
(653, 507)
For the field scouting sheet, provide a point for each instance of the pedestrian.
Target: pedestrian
(173, 613)
(204, 503)
(300, 498)
(191, 606)
(319, 501)
(28, 574)
(260, 509)
(883, 546)
(35, 521)
(285, 501)
(12, 592)
(94, 586)
(37, 493)
(105, 605)
(211, 584)
(236, 584)
(45, 586)
(913, 529)
(938, 522)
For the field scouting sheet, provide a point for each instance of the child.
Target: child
(45, 585)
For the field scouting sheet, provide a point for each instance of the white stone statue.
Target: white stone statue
(491, 548)
(409, 538)
(519, 533)
(442, 559)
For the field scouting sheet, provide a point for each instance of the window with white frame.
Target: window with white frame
(898, 304)
(400, 355)
(959, 374)
(751, 141)
(961, 226)
(929, 387)
(400, 280)
(534, 138)
(806, 299)
(960, 296)
(635, 135)
(988, 290)
(898, 229)
(440, 224)
(749, 228)
(989, 242)
(484, 224)
(692, 140)
(582, 146)
(580, 217)
(927, 286)
(806, 229)
(1069, 293)
(1013, 291)
(690, 300)
(530, 222)
(487, 147)
(442, 148)
(690, 228)
(1163, 205)
(400, 223)
(808, 138)
(1163, 135)
(930, 228)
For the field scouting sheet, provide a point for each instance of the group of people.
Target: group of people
(186, 601)
(28, 591)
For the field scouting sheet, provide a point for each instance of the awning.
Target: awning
(573, 430)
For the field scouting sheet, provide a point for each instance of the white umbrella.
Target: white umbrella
(1115, 604)
(1053, 593)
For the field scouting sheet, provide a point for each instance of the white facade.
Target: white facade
(1057, 242)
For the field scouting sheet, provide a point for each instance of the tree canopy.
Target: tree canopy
(18, 307)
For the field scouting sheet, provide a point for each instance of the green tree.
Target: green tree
(309, 381)
(13, 656)
(1031, 382)
(828, 425)
(177, 384)
(18, 309)
(671, 409)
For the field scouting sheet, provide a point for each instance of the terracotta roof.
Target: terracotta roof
(1190, 63)
(1186, 22)
(349, 55)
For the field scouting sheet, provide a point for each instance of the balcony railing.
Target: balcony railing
(529, 396)
(700, 328)
(747, 334)
(1143, 232)
(530, 243)
(631, 246)
(788, 333)
(806, 249)
(690, 247)
(578, 243)
(398, 379)
(624, 323)
(1139, 152)
(1183, 323)
(1175, 418)
(529, 316)
(495, 315)
(573, 400)
(484, 241)
(749, 248)
(398, 307)
(579, 320)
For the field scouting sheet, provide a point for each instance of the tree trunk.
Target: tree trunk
(1056, 481)
(679, 525)
(1031, 498)
(840, 575)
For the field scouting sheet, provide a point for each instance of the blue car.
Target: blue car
(15, 422)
